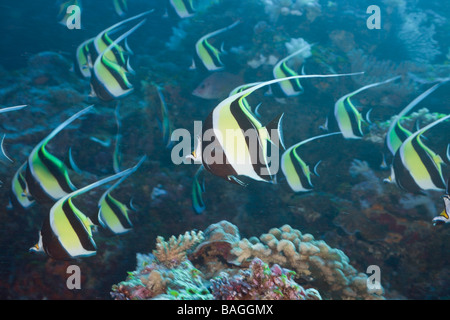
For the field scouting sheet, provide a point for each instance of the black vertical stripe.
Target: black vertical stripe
(212, 54)
(50, 243)
(100, 89)
(21, 180)
(223, 169)
(251, 134)
(55, 171)
(114, 49)
(298, 168)
(402, 176)
(78, 226)
(288, 72)
(115, 74)
(35, 188)
(400, 133)
(117, 212)
(92, 51)
(353, 118)
(277, 91)
(429, 164)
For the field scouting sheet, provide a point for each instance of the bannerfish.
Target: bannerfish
(396, 133)
(109, 80)
(208, 55)
(117, 53)
(165, 124)
(89, 50)
(415, 166)
(282, 70)
(113, 214)
(19, 197)
(217, 85)
(296, 171)
(444, 216)
(121, 7)
(183, 8)
(239, 144)
(47, 178)
(85, 57)
(198, 188)
(348, 118)
(66, 232)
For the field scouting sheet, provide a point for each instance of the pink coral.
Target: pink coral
(258, 282)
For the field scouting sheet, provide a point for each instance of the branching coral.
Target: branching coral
(275, 8)
(174, 251)
(154, 281)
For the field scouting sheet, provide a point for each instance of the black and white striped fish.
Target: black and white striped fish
(89, 50)
(396, 133)
(109, 79)
(183, 8)
(46, 176)
(19, 197)
(66, 232)
(348, 118)
(282, 70)
(235, 143)
(113, 214)
(415, 166)
(207, 55)
(296, 171)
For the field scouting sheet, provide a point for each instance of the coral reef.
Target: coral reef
(224, 266)
(417, 36)
(152, 280)
(171, 253)
(259, 282)
(276, 8)
(378, 129)
(328, 268)
(347, 210)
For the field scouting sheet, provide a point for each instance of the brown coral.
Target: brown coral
(326, 267)
(171, 253)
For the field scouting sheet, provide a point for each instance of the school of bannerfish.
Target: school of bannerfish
(68, 233)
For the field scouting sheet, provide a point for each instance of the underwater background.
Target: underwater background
(349, 209)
